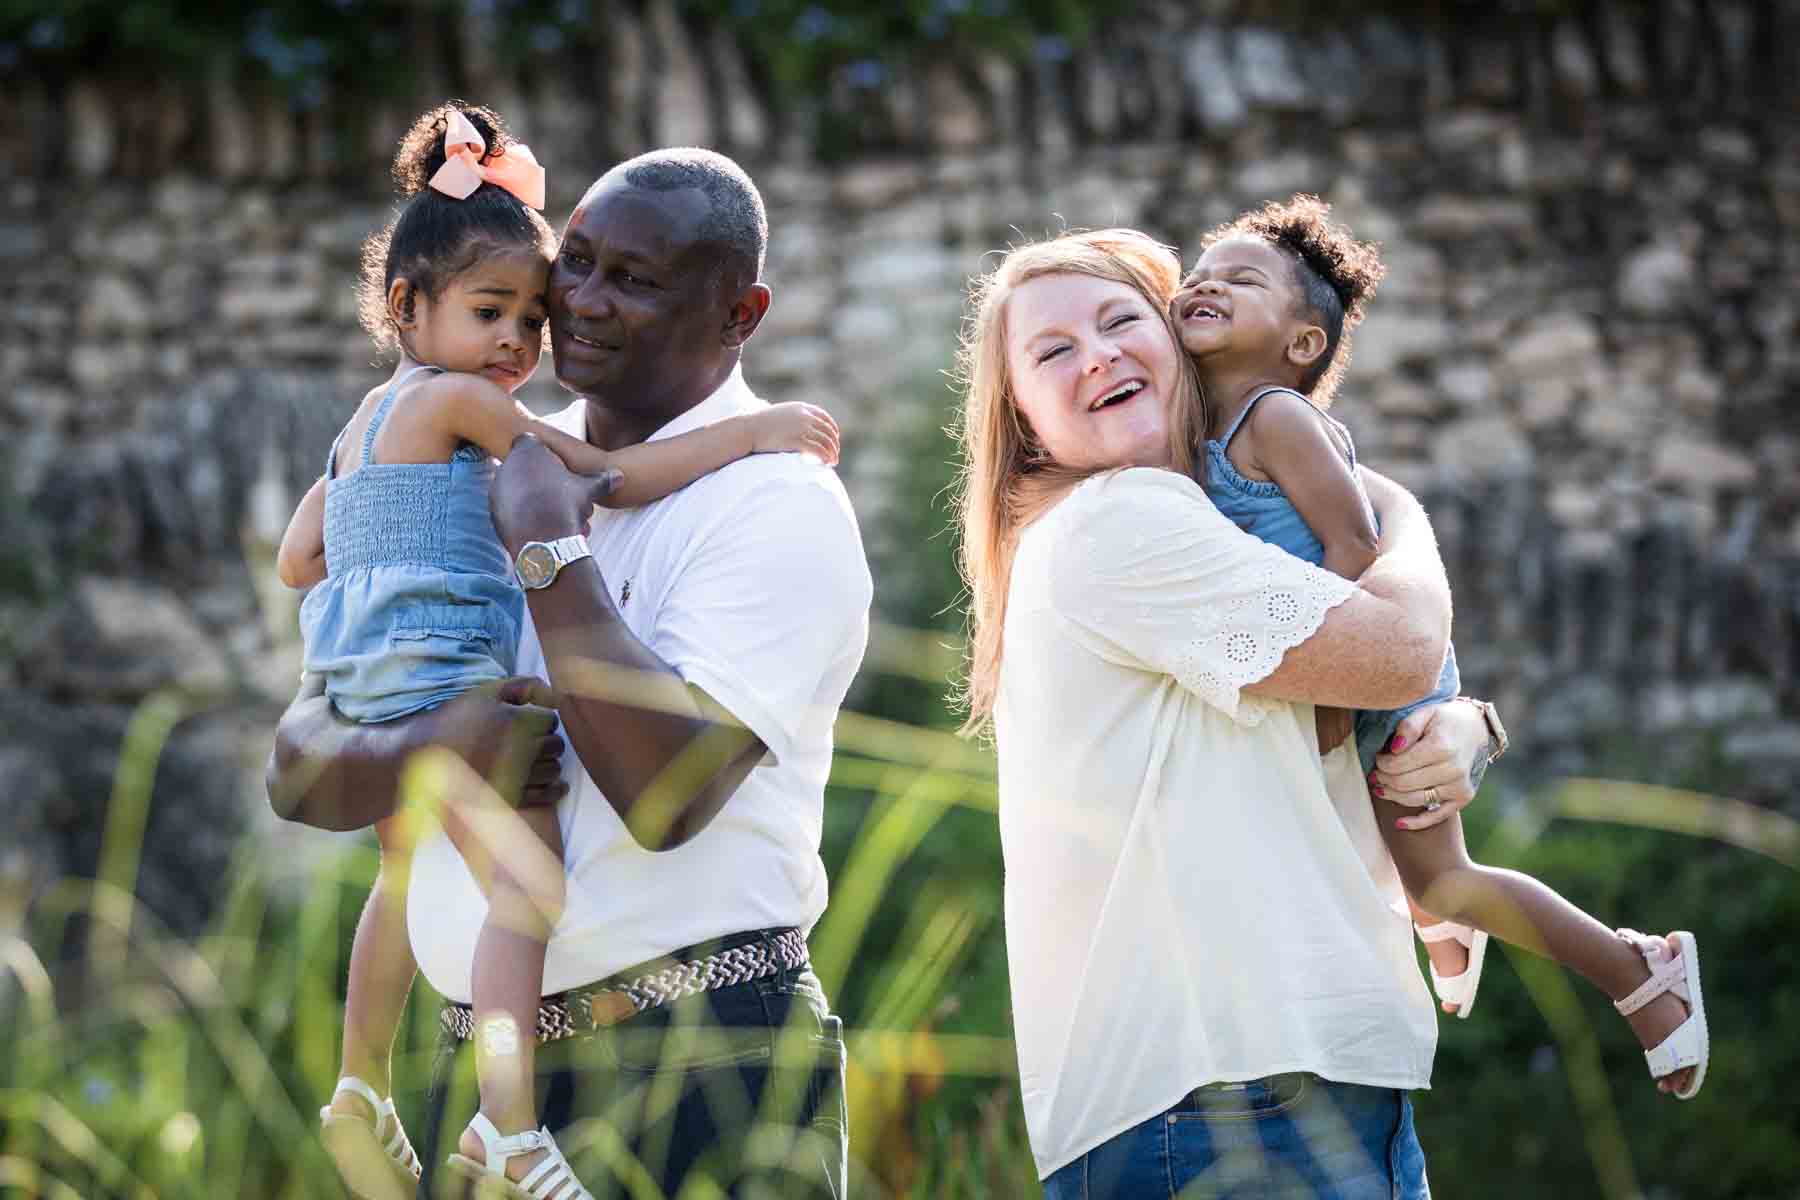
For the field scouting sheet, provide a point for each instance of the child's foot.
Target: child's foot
(517, 1167)
(363, 1135)
(349, 1104)
(1655, 1020)
(1456, 953)
(1449, 958)
(532, 1164)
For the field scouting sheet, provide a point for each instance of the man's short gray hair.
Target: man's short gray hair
(737, 221)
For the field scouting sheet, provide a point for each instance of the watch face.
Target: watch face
(536, 566)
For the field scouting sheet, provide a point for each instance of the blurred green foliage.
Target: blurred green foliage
(1544, 1082)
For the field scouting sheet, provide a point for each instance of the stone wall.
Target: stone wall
(1583, 357)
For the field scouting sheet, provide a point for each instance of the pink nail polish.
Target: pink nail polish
(1379, 790)
(1399, 741)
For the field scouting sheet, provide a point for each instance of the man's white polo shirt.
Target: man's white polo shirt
(751, 583)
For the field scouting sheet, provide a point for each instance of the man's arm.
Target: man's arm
(335, 774)
(664, 756)
(662, 753)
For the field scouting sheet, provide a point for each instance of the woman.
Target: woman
(1209, 983)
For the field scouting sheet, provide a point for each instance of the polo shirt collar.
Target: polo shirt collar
(728, 399)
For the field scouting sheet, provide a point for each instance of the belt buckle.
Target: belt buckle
(592, 1011)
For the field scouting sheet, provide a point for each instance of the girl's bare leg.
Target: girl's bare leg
(1435, 867)
(381, 974)
(525, 896)
(1447, 958)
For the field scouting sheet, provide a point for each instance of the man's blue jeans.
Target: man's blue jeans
(1292, 1137)
(743, 1086)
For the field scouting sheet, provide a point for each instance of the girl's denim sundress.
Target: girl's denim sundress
(418, 604)
(1260, 507)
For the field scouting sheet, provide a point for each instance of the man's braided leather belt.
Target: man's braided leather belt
(583, 1010)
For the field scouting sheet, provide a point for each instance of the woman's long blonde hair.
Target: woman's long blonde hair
(1007, 479)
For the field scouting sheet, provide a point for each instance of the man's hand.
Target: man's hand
(507, 733)
(1438, 753)
(535, 498)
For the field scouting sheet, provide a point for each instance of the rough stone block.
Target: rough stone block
(184, 198)
(1391, 337)
(1453, 217)
(256, 302)
(868, 324)
(957, 118)
(900, 268)
(1546, 401)
(681, 114)
(150, 638)
(22, 241)
(1469, 386)
(1482, 447)
(1697, 465)
(1416, 274)
(1551, 345)
(112, 303)
(106, 367)
(1396, 397)
(92, 133)
(1575, 505)
(1278, 176)
(1213, 92)
(1267, 69)
(1657, 280)
(877, 184)
(1572, 61)
(789, 358)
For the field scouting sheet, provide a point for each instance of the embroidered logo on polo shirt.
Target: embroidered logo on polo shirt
(625, 594)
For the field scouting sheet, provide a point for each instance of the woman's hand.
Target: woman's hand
(1438, 753)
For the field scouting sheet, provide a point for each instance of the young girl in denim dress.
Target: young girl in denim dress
(414, 601)
(1266, 315)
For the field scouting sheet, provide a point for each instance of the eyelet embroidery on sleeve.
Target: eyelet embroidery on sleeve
(1243, 641)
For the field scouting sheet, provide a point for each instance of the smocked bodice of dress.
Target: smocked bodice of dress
(418, 603)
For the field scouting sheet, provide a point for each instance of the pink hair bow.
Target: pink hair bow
(516, 170)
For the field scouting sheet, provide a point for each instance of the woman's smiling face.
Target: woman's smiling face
(1093, 369)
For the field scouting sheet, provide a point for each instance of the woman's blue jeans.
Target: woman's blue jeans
(1286, 1137)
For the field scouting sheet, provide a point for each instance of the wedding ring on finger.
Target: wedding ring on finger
(1432, 803)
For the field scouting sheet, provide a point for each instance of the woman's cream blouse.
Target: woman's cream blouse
(1184, 904)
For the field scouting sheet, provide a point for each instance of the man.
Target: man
(700, 653)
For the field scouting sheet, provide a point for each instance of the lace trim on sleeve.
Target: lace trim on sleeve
(1243, 640)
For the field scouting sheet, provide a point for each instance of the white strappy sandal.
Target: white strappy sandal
(551, 1179)
(1457, 989)
(372, 1169)
(1678, 972)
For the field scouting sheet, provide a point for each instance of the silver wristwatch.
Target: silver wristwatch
(538, 562)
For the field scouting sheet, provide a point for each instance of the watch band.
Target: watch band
(569, 549)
